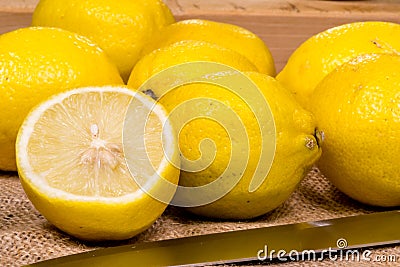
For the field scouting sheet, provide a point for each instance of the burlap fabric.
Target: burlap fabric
(26, 237)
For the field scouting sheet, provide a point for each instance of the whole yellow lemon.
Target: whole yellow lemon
(225, 130)
(37, 62)
(184, 52)
(296, 147)
(226, 138)
(226, 35)
(121, 28)
(321, 53)
(357, 106)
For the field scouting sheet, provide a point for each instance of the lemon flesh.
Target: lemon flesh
(322, 53)
(71, 161)
(357, 107)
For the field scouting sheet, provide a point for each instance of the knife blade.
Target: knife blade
(241, 246)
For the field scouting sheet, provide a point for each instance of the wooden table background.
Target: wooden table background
(283, 25)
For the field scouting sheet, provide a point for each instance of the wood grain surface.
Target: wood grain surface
(283, 25)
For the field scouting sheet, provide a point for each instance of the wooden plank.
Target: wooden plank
(13, 20)
(193, 6)
(283, 25)
(283, 33)
(18, 5)
(201, 7)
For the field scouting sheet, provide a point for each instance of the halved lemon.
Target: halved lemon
(93, 161)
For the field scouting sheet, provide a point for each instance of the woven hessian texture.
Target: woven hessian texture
(26, 237)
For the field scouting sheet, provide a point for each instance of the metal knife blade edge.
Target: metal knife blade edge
(230, 234)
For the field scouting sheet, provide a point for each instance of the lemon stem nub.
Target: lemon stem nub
(318, 135)
(310, 143)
